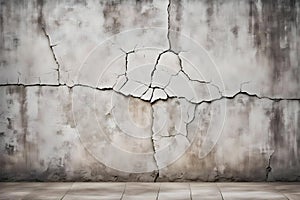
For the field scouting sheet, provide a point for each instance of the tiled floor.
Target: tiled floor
(150, 191)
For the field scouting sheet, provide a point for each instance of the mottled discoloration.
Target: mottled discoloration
(210, 11)
(63, 118)
(176, 15)
(40, 19)
(111, 14)
(235, 31)
(272, 32)
(277, 126)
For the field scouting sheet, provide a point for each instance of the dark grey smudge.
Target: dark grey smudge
(277, 21)
(10, 149)
(176, 15)
(24, 119)
(175, 12)
(9, 125)
(111, 13)
(277, 126)
(2, 6)
(40, 19)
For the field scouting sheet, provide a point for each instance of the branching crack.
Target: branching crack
(51, 46)
(150, 90)
(126, 67)
(163, 88)
(276, 99)
(181, 70)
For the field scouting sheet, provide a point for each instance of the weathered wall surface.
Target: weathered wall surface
(150, 90)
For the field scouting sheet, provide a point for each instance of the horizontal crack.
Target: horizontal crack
(276, 99)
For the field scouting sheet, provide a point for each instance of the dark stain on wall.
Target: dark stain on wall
(235, 31)
(2, 6)
(24, 119)
(9, 149)
(272, 32)
(178, 9)
(209, 11)
(277, 126)
(111, 14)
(144, 15)
(253, 26)
(283, 136)
(139, 4)
(40, 19)
(55, 171)
(298, 135)
(81, 2)
(40, 5)
(68, 110)
(114, 13)
(9, 125)
(277, 137)
(175, 15)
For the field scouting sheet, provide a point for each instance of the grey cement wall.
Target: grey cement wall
(150, 90)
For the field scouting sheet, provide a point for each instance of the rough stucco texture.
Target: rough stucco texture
(150, 90)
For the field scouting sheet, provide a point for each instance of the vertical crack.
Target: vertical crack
(220, 192)
(191, 196)
(169, 25)
(123, 192)
(153, 145)
(51, 46)
(269, 168)
(157, 196)
(126, 68)
(70, 188)
(190, 121)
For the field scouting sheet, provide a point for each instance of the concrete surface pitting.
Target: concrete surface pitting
(150, 91)
(150, 191)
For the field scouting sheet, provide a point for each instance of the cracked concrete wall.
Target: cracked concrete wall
(152, 90)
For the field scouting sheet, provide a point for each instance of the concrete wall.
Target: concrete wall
(150, 90)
